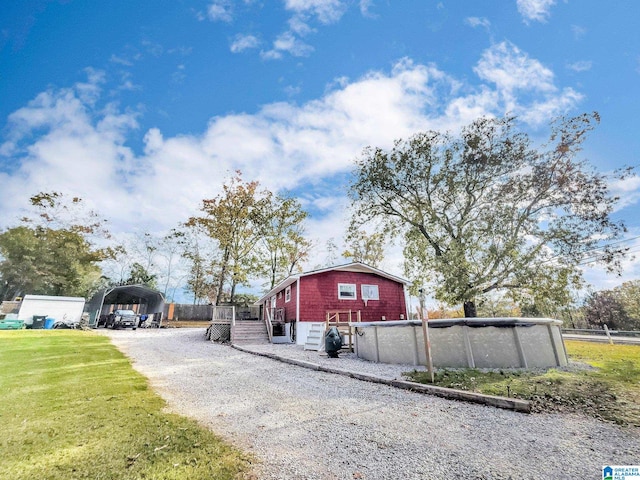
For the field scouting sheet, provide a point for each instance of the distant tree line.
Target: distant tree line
(618, 308)
(242, 236)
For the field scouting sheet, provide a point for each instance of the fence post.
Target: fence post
(606, 330)
(425, 335)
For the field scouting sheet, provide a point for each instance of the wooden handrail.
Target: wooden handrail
(333, 320)
(267, 321)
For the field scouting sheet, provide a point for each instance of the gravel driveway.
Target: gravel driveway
(305, 424)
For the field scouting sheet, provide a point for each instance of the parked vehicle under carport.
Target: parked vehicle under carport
(142, 299)
(122, 319)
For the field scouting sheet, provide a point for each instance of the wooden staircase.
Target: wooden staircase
(249, 332)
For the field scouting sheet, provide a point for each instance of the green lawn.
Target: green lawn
(72, 407)
(603, 381)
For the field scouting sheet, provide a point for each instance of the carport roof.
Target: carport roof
(125, 294)
(132, 294)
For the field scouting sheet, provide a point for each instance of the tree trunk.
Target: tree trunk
(470, 309)
(233, 292)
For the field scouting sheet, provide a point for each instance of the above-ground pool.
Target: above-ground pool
(464, 342)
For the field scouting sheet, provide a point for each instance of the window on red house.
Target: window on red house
(347, 291)
(370, 292)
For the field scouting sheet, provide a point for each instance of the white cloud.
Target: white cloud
(511, 69)
(153, 48)
(539, 112)
(299, 26)
(63, 140)
(306, 15)
(524, 85)
(292, 90)
(477, 22)
(580, 66)
(284, 145)
(89, 91)
(126, 83)
(326, 11)
(365, 8)
(178, 76)
(535, 10)
(83, 148)
(578, 31)
(270, 54)
(220, 11)
(289, 43)
(598, 277)
(628, 190)
(78, 150)
(182, 51)
(244, 42)
(120, 60)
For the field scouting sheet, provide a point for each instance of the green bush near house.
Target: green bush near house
(72, 407)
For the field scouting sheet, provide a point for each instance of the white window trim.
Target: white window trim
(287, 294)
(364, 287)
(355, 291)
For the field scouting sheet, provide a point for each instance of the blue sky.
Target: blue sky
(143, 108)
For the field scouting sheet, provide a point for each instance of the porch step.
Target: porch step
(249, 332)
(315, 337)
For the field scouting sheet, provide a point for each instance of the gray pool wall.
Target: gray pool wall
(465, 342)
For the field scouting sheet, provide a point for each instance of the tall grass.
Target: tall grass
(71, 406)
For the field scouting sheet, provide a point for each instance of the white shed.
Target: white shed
(68, 309)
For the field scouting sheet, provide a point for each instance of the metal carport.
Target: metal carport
(149, 301)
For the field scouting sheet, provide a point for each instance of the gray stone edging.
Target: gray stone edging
(515, 404)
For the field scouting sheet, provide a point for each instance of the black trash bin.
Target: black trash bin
(38, 321)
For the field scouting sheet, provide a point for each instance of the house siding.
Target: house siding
(319, 294)
(289, 307)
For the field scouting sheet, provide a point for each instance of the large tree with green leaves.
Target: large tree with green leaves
(283, 246)
(52, 252)
(485, 211)
(233, 219)
(629, 295)
(255, 233)
(364, 247)
(605, 308)
(197, 251)
(139, 275)
(618, 308)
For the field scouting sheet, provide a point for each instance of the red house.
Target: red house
(306, 298)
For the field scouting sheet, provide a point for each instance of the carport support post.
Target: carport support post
(425, 335)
